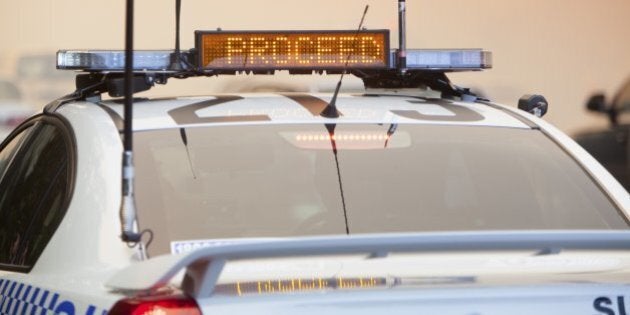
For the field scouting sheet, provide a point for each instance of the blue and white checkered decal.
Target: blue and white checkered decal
(19, 298)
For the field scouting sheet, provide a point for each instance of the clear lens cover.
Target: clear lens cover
(160, 60)
(450, 59)
(113, 60)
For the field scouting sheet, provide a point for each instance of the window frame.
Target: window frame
(69, 138)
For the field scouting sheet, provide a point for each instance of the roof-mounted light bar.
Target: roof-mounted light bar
(266, 51)
(159, 61)
(113, 60)
(448, 59)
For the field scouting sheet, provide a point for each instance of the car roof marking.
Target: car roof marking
(186, 114)
(521, 118)
(278, 109)
(460, 113)
(311, 103)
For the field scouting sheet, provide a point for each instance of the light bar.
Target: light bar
(288, 50)
(269, 51)
(448, 59)
(113, 60)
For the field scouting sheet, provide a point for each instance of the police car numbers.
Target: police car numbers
(413, 197)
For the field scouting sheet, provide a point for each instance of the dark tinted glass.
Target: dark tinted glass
(34, 190)
(10, 149)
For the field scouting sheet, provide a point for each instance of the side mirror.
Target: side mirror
(597, 103)
(533, 104)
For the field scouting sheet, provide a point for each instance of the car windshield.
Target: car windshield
(209, 183)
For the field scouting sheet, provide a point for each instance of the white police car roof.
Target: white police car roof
(303, 108)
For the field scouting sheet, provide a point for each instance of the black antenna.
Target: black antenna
(402, 38)
(333, 142)
(331, 110)
(176, 57)
(128, 123)
(128, 207)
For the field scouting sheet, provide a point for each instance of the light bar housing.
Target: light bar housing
(218, 52)
(113, 60)
(159, 61)
(448, 59)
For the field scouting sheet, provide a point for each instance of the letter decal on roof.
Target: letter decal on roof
(186, 115)
(461, 113)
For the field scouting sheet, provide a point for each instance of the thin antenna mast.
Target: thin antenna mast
(331, 110)
(128, 205)
(176, 57)
(402, 37)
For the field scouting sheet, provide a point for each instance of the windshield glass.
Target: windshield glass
(209, 183)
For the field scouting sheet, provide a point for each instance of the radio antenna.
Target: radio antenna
(402, 38)
(331, 110)
(176, 56)
(128, 215)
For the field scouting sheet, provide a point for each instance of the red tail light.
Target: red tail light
(163, 305)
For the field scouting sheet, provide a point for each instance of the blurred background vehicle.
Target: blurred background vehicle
(610, 145)
(12, 110)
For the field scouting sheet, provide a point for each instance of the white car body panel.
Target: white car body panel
(526, 300)
(468, 282)
(99, 195)
(151, 274)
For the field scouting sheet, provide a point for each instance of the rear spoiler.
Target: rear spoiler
(204, 266)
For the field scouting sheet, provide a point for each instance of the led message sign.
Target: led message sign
(286, 50)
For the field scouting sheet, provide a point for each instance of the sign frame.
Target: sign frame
(385, 51)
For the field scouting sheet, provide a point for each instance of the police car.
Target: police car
(414, 197)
